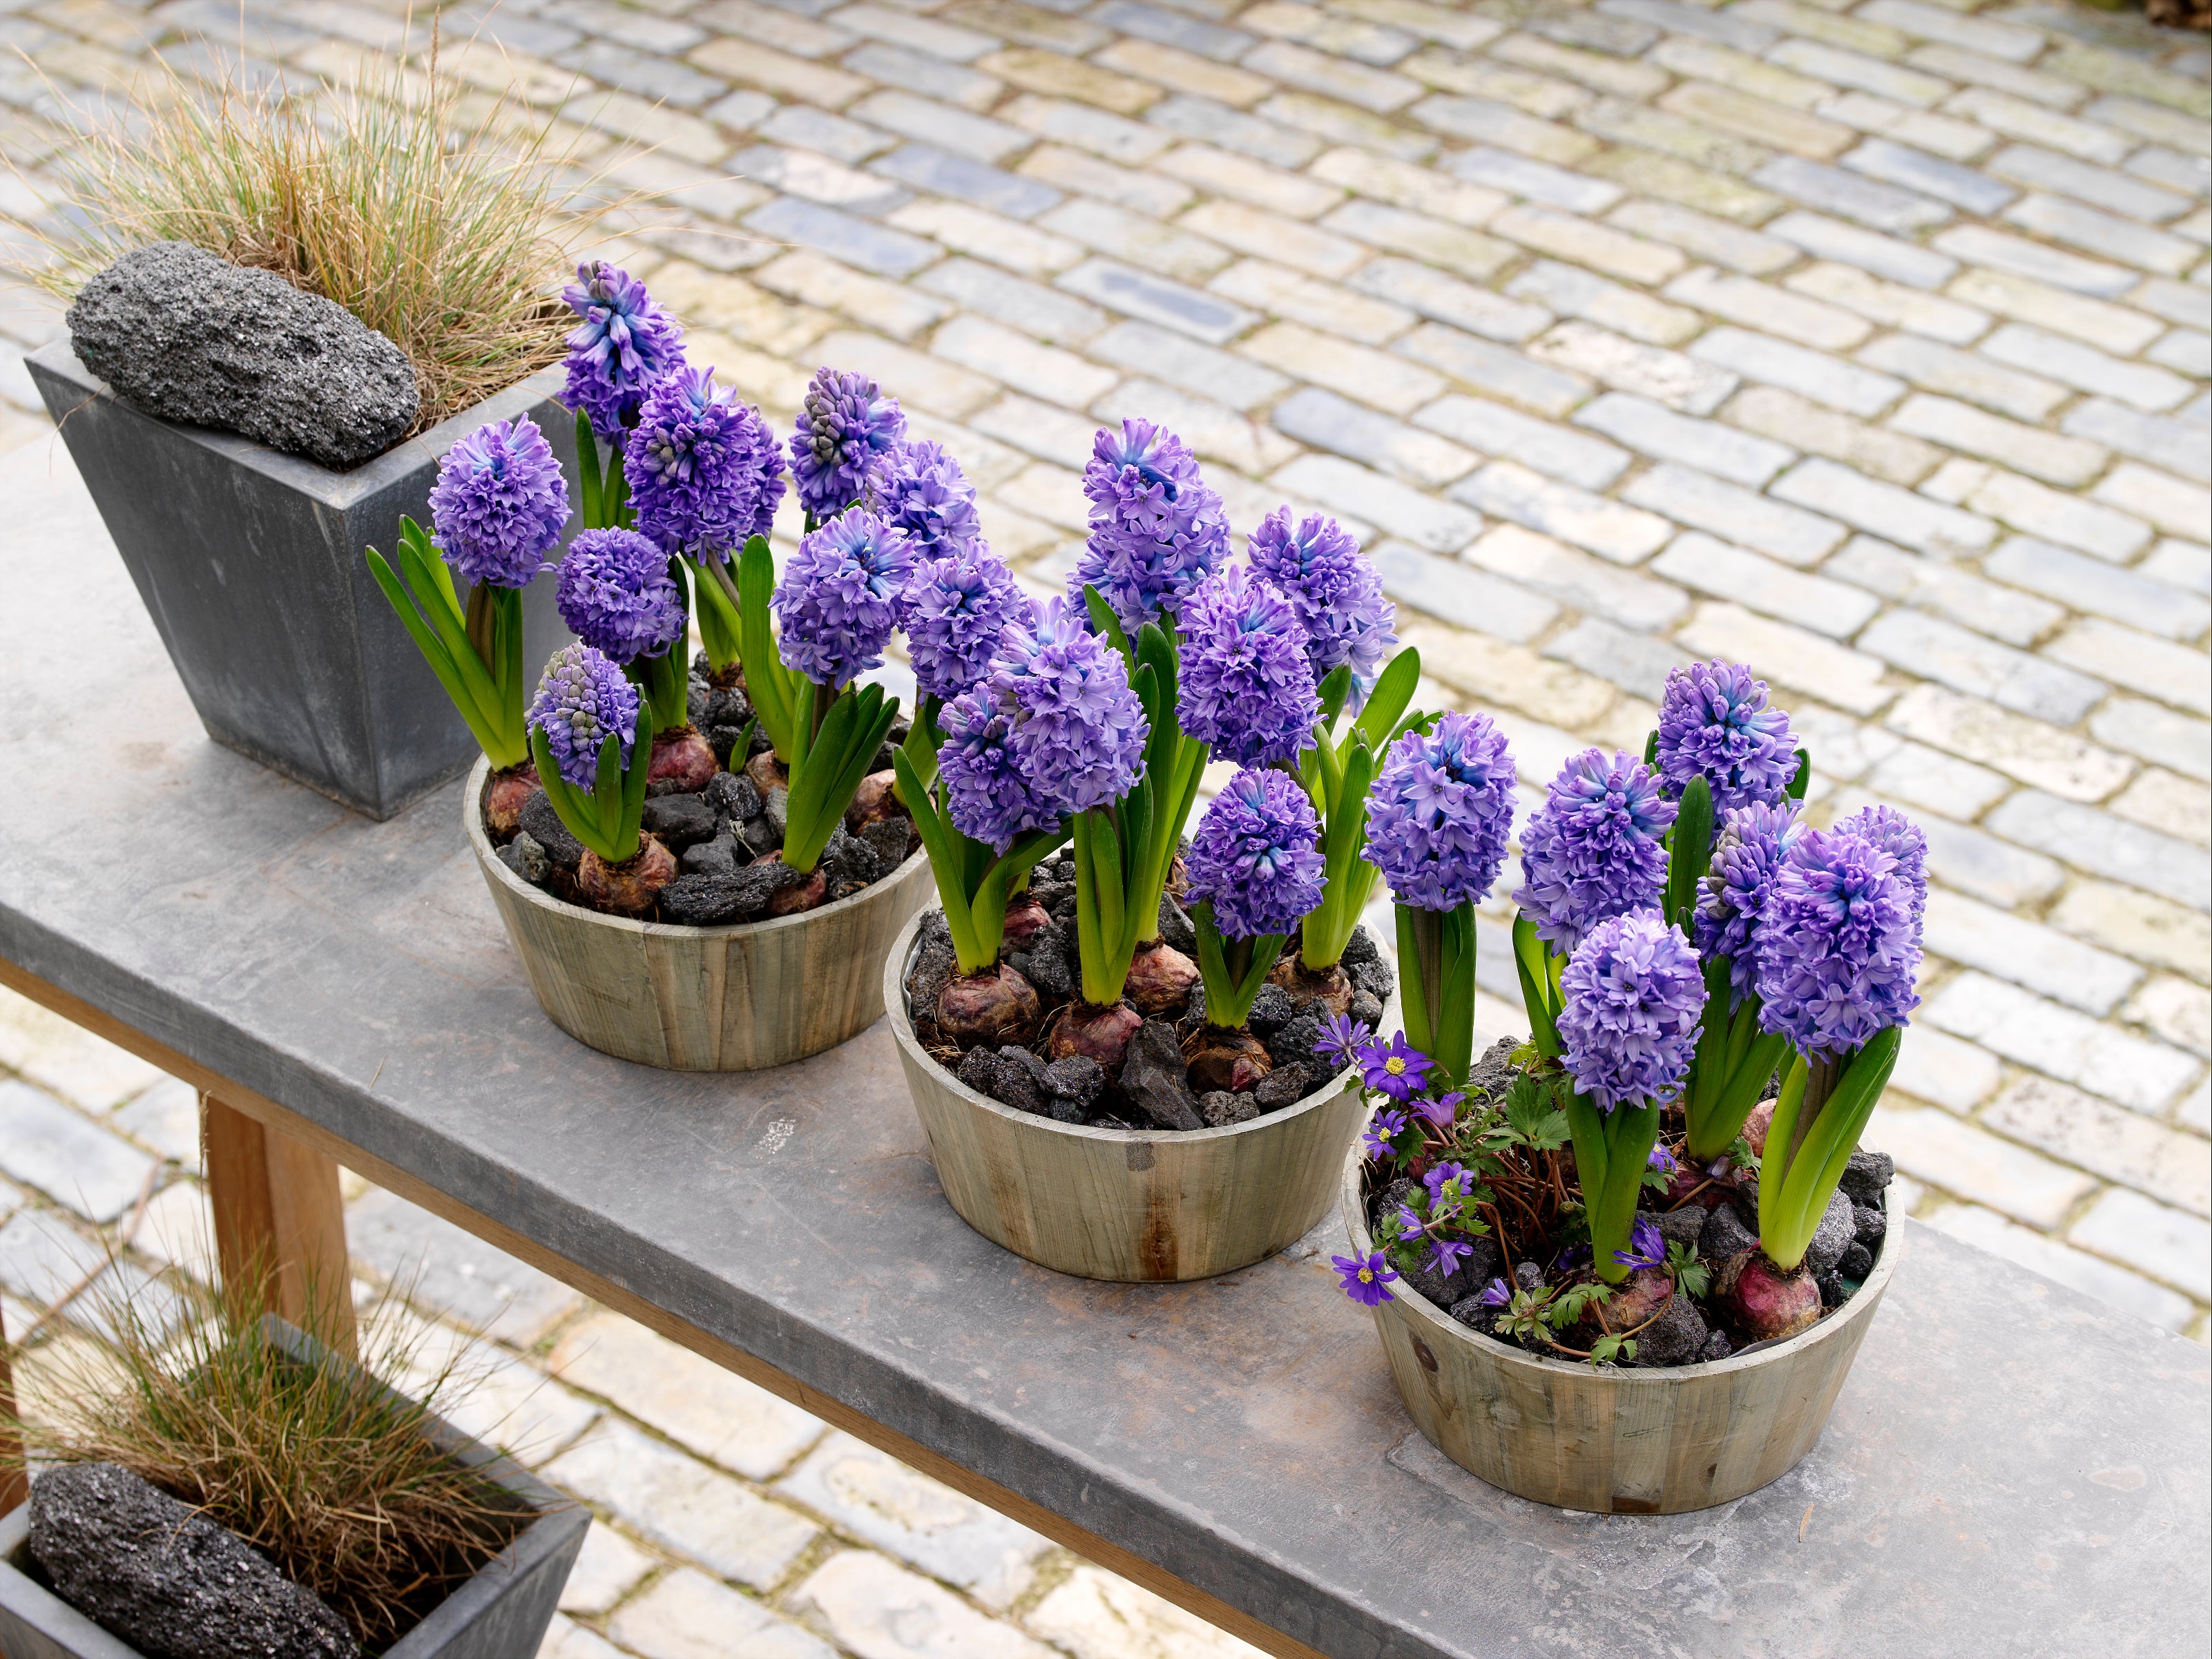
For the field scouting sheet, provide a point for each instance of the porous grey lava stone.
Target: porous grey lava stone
(1674, 1338)
(1077, 1078)
(1717, 1346)
(542, 824)
(185, 335)
(1177, 931)
(1222, 1108)
(166, 1579)
(1022, 1083)
(1283, 1086)
(1272, 1009)
(1681, 1226)
(527, 858)
(1866, 1175)
(1831, 1237)
(679, 820)
(1724, 1234)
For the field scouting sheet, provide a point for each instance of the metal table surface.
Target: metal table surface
(2010, 1469)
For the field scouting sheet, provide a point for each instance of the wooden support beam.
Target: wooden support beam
(15, 1483)
(278, 1216)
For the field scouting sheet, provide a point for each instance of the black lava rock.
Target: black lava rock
(1467, 1279)
(542, 824)
(776, 809)
(1866, 1175)
(1294, 1044)
(732, 795)
(1831, 1237)
(978, 1070)
(760, 836)
(1051, 968)
(681, 821)
(185, 335)
(1674, 1338)
(1528, 1276)
(164, 1578)
(1834, 1291)
(1175, 929)
(694, 700)
(934, 963)
(1221, 1108)
(1869, 1224)
(1193, 1011)
(1717, 1346)
(1474, 1313)
(726, 706)
(1283, 1086)
(1373, 978)
(1049, 893)
(718, 857)
(1272, 1009)
(527, 858)
(1022, 1082)
(1366, 1007)
(701, 900)
(1856, 1263)
(1154, 1080)
(1360, 948)
(888, 839)
(1681, 1226)
(847, 864)
(1077, 1078)
(1724, 1234)
(1492, 1073)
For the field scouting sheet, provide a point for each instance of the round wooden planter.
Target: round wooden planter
(1615, 1441)
(730, 999)
(1128, 1205)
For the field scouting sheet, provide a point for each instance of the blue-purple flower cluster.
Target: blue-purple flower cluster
(1253, 858)
(847, 430)
(703, 469)
(1714, 723)
(841, 596)
(1839, 941)
(615, 593)
(1903, 839)
(1593, 850)
(956, 610)
(498, 505)
(986, 792)
(1157, 530)
(582, 698)
(1246, 686)
(922, 491)
(1335, 592)
(621, 347)
(1632, 993)
(1747, 853)
(1440, 811)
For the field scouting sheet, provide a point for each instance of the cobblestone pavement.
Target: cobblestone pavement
(1868, 345)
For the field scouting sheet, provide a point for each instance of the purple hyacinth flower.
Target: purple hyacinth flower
(1445, 1255)
(1364, 1277)
(1633, 996)
(1495, 1294)
(1341, 1036)
(1080, 730)
(987, 794)
(1647, 1247)
(839, 599)
(1903, 839)
(1246, 687)
(921, 491)
(1714, 723)
(1439, 812)
(621, 347)
(498, 505)
(1592, 851)
(1747, 854)
(582, 698)
(1398, 1070)
(703, 470)
(1387, 1127)
(1839, 944)
(847, 432)
(1253, 858)
(955, 613)
(1156, 531)
(1337, 596)
(615, 593)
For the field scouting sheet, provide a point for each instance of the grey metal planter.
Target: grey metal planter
(251, 564)
(500, 1614)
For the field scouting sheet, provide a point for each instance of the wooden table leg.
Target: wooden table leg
(14, 1484)
(277, 1214)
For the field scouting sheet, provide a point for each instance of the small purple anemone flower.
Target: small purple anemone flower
(1397, 1069)
(1747, 853)
(1663, 1161)
(614, 592)
(621, 347)
(839, 597)
(1441, 1175)
(1253, 858)
(1338, 597)
(1445, 1255)
(1647, 1247)
(1839, 944)
(498, 505)
(1246, 687)
(921, 491)
(582, 698)
(1593, 850)
(955, 611)
(1080, 730)
(1495, 1294)
(1633, 995)
(703, 472)
(1714, 723)
(1442, 1111)
(847, 430)
(1364, 1277)
(1341, 1036)
(1439, 812)
(1157, 530)
(1386, 1127)
(1409, 1224)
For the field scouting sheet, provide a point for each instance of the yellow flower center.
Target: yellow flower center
(1394, 1066)
(1367, 1275)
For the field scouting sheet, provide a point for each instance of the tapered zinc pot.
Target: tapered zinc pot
(1126, 1205)
(729, 998)
(1614, 1441)
(250, 561)
(504, 1610)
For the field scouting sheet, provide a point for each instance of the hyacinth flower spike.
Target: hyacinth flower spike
(584, 732)
(1254, 874)
(496, 511)
(621, 347)
(1632, 996)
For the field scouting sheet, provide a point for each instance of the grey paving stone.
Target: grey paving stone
(1913, 169)
(2090, 839)
(1448, 590)
(2178, 446)
(2084, 366)
(1536, 181)
(1952, 656)
(1824, 379)
(1620, 533)
(1832, 190)
(1742, 516)
(1883, 256)
(1654, 431)
(42, 1258)
(166, 1117)
(1676, 18)
(1171, 28)
(1217, 123)
(942, 173)
(921, 72)
(1941, 586)
(1579, 580)
(873, 247)
(2092, 585)
(818, 179)
(648, 76)
(44, 1144)
(1144, 349)
(1557, 451)
(2105, 234)
(2037, 168)
(1446, 299)
(456, 1273)
(1977, 245)
(1418, 516)
(1154, 299)
(1726, 571)
(1883, 510)
(1327, 421)
(1636, 663)
(1494, 369)
(956, 130)
(1041, 313)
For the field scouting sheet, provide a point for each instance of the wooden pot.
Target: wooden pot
(730, 999)
(1128, 1205)
(1655, 1441)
